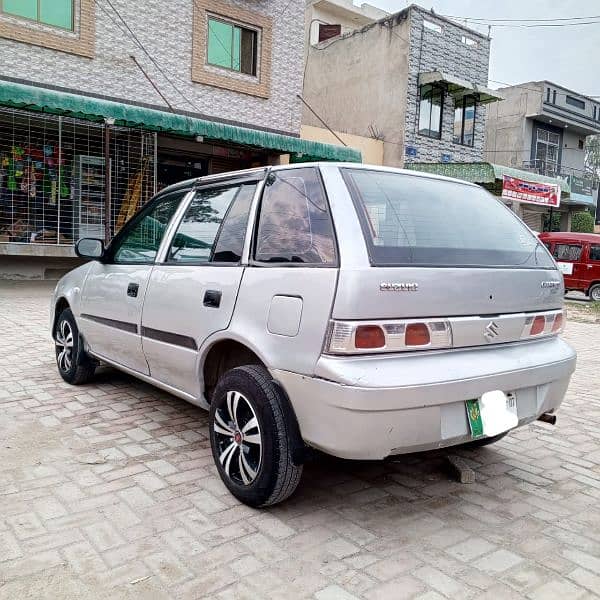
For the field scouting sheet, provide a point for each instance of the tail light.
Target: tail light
(543, 324)
(369, 337)
(351, 337)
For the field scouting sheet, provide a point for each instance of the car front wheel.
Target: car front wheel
(74, 365)
(252, 437)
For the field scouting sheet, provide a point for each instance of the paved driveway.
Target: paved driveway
(109, 491)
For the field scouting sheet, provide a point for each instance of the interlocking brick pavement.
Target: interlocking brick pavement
(109, 491)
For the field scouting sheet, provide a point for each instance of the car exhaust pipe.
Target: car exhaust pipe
(547, 418)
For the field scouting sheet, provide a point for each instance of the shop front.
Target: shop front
(74, 166)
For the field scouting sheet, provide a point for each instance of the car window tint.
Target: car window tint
(295, 224)
(567, 252)
(594, 252)
(230, 240)
(141, 241)
(199, 229)
(420, 220)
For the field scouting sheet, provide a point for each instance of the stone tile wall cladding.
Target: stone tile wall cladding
(165, 29)
(444, 52)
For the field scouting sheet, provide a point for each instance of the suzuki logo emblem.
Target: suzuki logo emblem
(492, 331)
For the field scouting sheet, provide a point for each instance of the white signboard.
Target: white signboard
(566, 268)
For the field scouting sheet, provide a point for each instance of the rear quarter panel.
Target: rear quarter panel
(298, 345)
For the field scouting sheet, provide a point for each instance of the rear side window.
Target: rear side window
(295, 224)
(567, 252)
(213, 228)
(594, 252)
(412, 220)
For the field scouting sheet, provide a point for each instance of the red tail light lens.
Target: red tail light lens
(417, 334)
(538, 326)
(369, 336)
(558, 323)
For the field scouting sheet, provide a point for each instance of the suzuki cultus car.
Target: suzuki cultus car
(361, 311)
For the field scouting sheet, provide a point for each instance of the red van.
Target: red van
(578, 257)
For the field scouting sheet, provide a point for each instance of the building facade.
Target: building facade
(329, 18)
(104, 102)
(542, 128)
(414, 80)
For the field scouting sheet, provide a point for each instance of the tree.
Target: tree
(592, 155)
(582, 222)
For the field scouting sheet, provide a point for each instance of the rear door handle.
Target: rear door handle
(132, 290)
(212, 298)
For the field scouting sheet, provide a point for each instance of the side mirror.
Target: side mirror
(90, 248)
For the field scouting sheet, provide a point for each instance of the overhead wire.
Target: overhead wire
(143, 48)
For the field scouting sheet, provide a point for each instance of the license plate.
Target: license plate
(493, 413)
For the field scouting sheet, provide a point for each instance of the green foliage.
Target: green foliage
(555, 222)
(582, 222)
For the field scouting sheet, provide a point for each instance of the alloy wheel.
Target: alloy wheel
(64, 346)
(238, 438)
(595, 294)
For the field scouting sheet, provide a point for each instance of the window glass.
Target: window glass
(464, 121)
(432, 26)
(430, 111)
(199, 228)
(230, 241)
(458, 122)
(58, 13)
(231, 46)
(594, 252)
(412, 220)
(469, 121)
(468, 41)
(567, 252)
(295, 223)
(21, 8)
(575, 102)
(141, 239)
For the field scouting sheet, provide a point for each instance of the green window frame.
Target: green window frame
(56, 13)
(231, 46)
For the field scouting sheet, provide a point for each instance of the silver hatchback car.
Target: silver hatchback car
(357, 310)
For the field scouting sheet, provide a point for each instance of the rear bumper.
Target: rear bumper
(372, 407)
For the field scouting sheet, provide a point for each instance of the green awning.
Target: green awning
(487, 174)
(44, 100)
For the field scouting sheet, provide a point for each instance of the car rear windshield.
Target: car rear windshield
(412, 220)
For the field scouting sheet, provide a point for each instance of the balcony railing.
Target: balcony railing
(581, 181)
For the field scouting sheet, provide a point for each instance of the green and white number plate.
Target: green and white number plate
(494, 413)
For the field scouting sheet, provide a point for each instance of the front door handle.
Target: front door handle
(132, 290)
(212, 298)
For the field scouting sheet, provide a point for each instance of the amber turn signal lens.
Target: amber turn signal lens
(417, 334)
(539, 324)
(369, 336)
(558, 323)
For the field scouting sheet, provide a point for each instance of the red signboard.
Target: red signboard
(518, 190)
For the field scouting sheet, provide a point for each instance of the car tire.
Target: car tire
(74, 364)
(253, 436)
(594, 292)
(485, 441)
